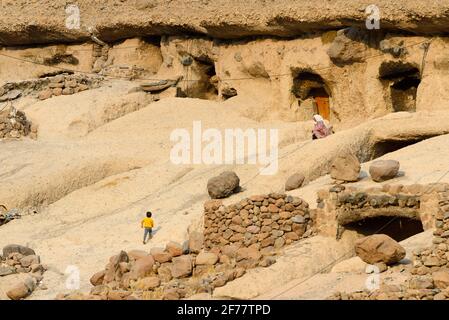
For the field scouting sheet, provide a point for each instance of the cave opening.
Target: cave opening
(398, 228)
(205, 85)
(403, 80)
(311, 93)
(383, 147)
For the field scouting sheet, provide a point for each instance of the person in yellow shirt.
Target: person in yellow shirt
(147, 224)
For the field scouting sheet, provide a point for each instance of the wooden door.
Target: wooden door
(323, 107)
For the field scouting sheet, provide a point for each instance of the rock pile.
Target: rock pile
(14, 124)
(169, 273)
(262, 222)
(66, 84)
(19, 259)
(200, 264)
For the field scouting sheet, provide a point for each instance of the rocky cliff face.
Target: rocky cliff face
(27, 22)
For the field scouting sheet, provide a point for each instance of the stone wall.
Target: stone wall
(66, 84)
(263, 222)
(340, 205)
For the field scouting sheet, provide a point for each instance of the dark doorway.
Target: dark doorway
(398, 228)
(403, 80)
(308, 85)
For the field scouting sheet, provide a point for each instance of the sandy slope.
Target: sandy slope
(98, 185)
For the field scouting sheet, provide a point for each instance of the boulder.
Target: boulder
(181, 266)
(142, 267)
(382, 170)
(22, 290)
(196, 241)
(160, 255)
(206, 258)
(174, 248)
(379, 248)
(346, 167)
(295, 181)
(223, 185)
(11, 248)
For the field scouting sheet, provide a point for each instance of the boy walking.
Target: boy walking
(148, 224)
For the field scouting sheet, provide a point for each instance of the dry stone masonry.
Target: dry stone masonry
(262, 222)
(67, 84)
(341, 205)
(14, 124)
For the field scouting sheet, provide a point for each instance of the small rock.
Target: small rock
(142, 267)
(174, 248)
(181, 266)
(441, 279)
(295, 181)
(6, 270)
(97, 278)
(206, 258)
(22, 290)
(196, 241)
(148, 283)
(45, 94)
(160, 255)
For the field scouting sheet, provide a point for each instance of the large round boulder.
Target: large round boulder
(346, 167)
(379, 248)
(223, 185)
(382, 170)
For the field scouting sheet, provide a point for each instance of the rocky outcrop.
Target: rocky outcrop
(221, 19)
